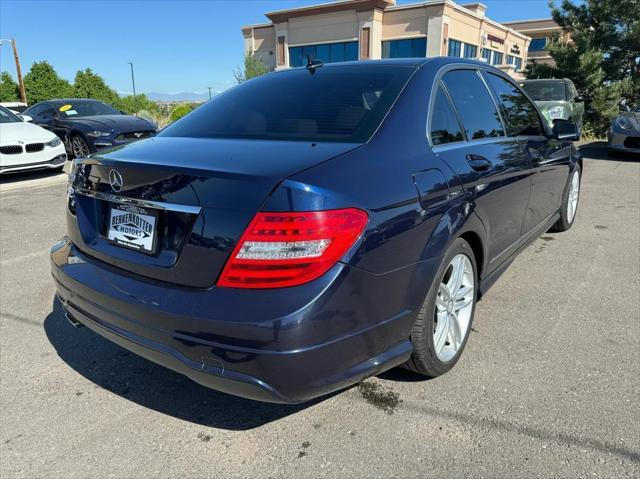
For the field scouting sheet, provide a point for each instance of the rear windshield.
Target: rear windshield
(546, 90)
(335, 103)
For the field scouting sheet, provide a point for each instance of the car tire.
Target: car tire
(570, 202)
(79, 147)
(430, 356)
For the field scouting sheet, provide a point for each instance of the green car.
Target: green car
(557, 99)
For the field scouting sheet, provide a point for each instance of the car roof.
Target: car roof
(436, 62)
(539, 80)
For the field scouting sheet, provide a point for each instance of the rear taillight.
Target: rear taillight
(288, 249)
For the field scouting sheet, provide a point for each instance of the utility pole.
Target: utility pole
(209, 92)
(23, 95)
(133, 82)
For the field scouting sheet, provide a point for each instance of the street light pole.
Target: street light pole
(209, 92)
(133, 81)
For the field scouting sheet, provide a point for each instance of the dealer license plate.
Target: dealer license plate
(133, 227)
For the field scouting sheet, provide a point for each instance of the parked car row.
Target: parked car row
(49, 132)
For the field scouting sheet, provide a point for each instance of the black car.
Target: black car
(315, 226)
(87, 125)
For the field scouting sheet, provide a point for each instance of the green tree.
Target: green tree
(8, 88)
(180, 111)
(43, 83)
(133, 105)
(602, 57)
(90, 85)
(253, 67)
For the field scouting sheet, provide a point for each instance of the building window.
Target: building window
(327, 53)
(537, 44)
(515, 61)
(470, 51)
(454, 48)
(497, 58)
(486, 54)
(408, 48)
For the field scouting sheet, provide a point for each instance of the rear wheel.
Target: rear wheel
(440, 332)
(570, 201)
(79, 147)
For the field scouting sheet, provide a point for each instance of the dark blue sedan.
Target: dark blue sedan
(85, 125)
(316, 226)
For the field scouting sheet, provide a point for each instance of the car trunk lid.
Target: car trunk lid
(201, 192)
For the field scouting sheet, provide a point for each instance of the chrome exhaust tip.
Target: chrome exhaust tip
(74, 322)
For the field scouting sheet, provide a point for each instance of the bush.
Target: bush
(180, 111)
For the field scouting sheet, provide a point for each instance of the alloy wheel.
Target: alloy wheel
(79, 147)
(454, 306)
(574, 193)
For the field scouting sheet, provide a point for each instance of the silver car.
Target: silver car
(624, 132)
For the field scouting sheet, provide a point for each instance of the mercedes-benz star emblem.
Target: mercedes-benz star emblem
(115, 180)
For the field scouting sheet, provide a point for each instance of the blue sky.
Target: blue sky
(176, 46)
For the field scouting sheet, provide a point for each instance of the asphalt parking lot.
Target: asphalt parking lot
(549, 384)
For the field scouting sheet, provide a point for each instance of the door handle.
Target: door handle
(478, 163)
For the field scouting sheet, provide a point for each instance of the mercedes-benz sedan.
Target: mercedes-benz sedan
(315, 226)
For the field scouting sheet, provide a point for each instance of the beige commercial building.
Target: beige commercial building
(541, 31)
(373, 29)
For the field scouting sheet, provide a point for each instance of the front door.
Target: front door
(493, 168)
(549, 157)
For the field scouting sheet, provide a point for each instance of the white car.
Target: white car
(25, 146)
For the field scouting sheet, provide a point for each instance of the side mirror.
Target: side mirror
(565, 130)
(579, 99)
(26, 118)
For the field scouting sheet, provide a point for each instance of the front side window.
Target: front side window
(537, 44)
(337, 103)
(445, 127)
(520, 115)
(454, 48)
(406, 48)
(474, 103)
(326, 53)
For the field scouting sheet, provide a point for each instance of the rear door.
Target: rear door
(549, 157)
(493, 168)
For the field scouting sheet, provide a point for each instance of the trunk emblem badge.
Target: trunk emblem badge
(115, 180)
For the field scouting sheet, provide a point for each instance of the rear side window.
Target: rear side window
(520, 115)
(445, 127)
(474, 103)
(333, 103)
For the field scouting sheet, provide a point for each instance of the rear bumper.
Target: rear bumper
(330, 341)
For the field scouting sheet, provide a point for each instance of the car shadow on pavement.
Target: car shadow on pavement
(132, 377)
(29, 175)
(599, 150)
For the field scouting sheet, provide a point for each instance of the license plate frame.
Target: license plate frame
(142, 222)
